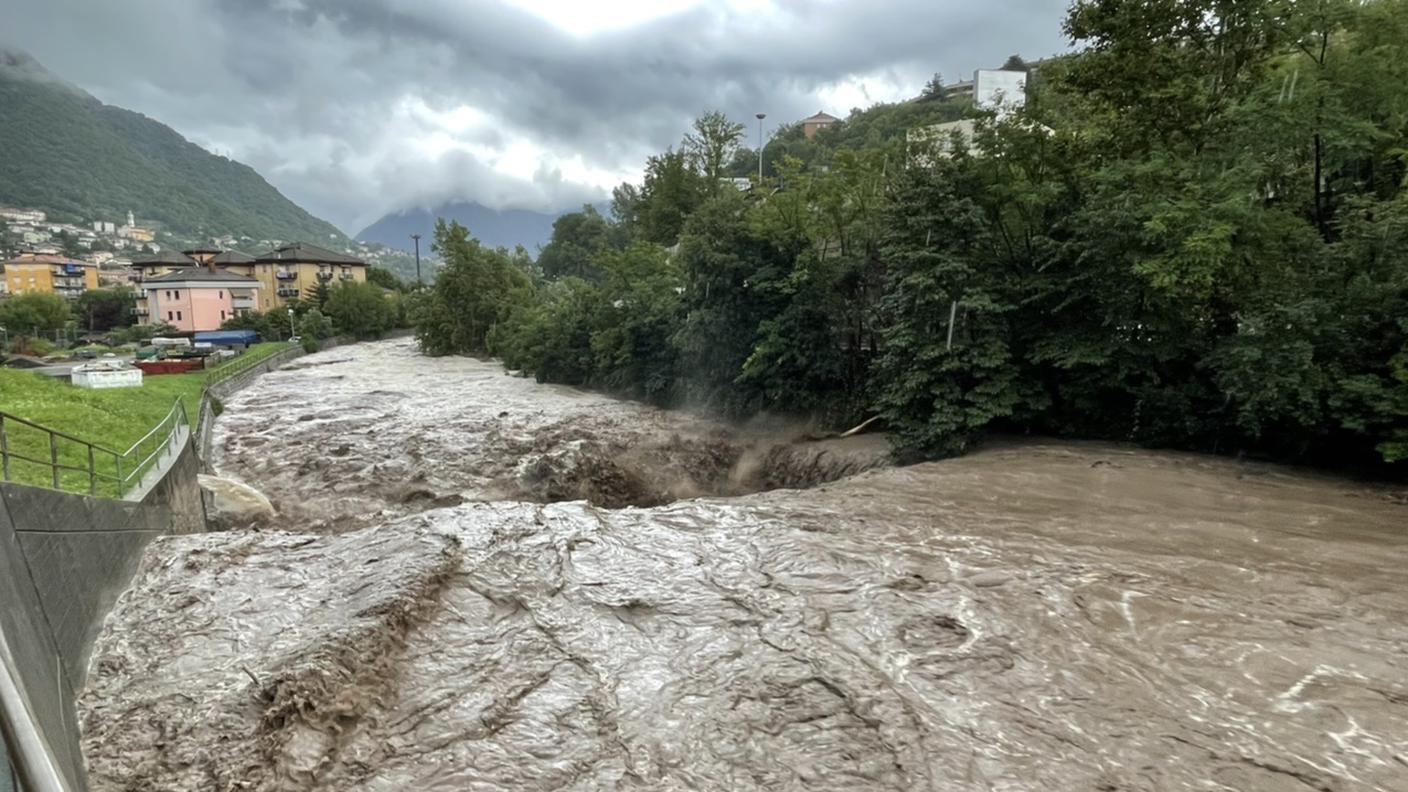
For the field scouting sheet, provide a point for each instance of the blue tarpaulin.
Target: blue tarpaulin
(227, 337)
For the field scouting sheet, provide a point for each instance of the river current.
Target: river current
(474, 582)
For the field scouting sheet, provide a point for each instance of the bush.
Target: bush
(361, 310)
(310, 344)
(314, 325)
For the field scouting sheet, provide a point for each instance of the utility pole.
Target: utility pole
(416, 237)
(761, 116)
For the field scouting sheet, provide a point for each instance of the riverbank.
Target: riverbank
(114, 418)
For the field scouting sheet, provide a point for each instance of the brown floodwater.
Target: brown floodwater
(1036, 615)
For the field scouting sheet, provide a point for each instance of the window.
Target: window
(222, 316)
(178, 294)
(169, 315)
(168, 294)
(178, 316)
(220, 295)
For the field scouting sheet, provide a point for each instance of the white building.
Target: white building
(999, 91)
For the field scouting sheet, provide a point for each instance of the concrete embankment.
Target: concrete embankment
(64, 559)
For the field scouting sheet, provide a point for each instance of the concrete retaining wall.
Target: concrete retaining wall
(64, 558)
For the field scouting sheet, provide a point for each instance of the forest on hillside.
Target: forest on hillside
(1193, 235)
(80, 160)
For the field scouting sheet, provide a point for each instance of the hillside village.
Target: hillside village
(112, 246)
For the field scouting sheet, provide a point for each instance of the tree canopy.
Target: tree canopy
(1194, 234)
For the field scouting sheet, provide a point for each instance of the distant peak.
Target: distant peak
(17, 64)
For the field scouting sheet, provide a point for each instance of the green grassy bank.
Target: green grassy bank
(111, 418)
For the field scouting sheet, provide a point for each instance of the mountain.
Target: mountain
(63, 151)
(494, 228)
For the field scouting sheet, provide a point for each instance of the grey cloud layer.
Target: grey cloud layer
(306, 91)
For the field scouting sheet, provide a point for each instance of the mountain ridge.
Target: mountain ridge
(80, 160)
(492, 227)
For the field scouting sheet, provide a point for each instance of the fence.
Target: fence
(77, 465)
(34, 454)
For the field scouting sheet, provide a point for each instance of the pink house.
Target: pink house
(198, 299)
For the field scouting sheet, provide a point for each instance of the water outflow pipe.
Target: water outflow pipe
(28, 751)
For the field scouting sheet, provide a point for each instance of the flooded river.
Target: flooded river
(455, 604)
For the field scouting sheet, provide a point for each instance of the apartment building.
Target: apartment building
(31, 272)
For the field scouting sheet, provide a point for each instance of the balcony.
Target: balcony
(286, 276)
(239, 303)
(347, 276)
(141, 312)
(324, 276)
(288, 292)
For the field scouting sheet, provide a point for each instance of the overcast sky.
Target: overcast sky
(354, 108)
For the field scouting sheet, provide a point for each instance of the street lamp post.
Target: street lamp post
(761, 116)
(291, 331)
(416, 237)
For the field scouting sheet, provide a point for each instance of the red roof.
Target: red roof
(820, 118)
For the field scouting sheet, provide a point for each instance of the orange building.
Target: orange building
(31, 272)
(818, 122)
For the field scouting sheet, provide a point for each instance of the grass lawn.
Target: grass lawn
(111, 418)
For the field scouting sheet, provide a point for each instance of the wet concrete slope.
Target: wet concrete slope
(1046, 616)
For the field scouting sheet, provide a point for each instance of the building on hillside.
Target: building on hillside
(23, 215)
(294, 272)
(42, 272)
(999, 90)
(198, 298)
(145, 268)
(816, 123)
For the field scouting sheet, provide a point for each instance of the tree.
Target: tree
(934, 90)
(105, 309)
(357, 309)
(385, 278)
(314, 324)
(947, 370)
(1015, 63)
(711, 145)
(35, 314)
(577, 239)
(475, 290)
(671, 193)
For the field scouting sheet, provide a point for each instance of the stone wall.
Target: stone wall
(64, 558)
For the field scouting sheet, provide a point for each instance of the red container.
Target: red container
(170, 366)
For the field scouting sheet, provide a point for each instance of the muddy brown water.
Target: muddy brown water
(1029, 617)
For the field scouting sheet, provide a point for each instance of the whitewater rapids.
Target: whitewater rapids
(1033, 616)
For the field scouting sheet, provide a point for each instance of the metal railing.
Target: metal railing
(34, 454)
(69, 462)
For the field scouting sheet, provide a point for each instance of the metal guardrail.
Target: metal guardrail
(76, 465)
(112, 472)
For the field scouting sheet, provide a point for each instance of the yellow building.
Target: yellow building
(41, 272)
(294, 272)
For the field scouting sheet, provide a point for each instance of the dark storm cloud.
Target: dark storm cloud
(339, 102)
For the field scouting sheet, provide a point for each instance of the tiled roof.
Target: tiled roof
(302, 252)
(820, 117)
(233, 257)
(167, 257)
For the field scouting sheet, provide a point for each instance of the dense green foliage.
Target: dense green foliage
(105, 309)
(1195, 234)
(81, 160)
(34, 314)
(361, 310)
